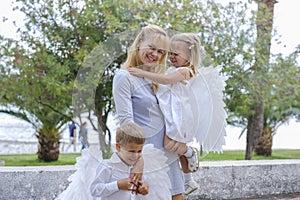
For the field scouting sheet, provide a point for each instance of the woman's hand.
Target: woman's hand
(136, 173)
(135, 71)
(176, 147)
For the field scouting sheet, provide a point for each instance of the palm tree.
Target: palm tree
(49, 135)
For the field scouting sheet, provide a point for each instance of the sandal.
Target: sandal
(193, 161)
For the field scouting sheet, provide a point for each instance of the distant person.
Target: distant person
(72, 132)
(83, 136)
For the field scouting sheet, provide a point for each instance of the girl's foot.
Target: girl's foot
(193, 161)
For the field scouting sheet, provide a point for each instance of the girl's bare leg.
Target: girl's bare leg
(177, 197)
(184, 164)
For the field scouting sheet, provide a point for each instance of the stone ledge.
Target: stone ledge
(218, 180)
(245, 179)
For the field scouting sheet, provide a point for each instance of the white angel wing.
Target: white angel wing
(155, 174)
(80, 181)
(207, 94)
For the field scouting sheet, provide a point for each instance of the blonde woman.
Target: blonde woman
(135, 98)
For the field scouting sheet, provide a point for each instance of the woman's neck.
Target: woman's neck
(149, 68)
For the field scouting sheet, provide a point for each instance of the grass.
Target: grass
(70, 159)
(32, 160)
(240, 155)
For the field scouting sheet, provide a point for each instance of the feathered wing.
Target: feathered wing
(80, 181)
(207, 93)
(156, 174)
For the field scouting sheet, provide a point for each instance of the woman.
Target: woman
(135, 98)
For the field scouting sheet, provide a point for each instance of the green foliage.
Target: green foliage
(284, 94)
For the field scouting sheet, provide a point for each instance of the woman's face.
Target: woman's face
(150, 52)
(130, 153)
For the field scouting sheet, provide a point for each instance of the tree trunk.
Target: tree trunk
(264, 146)
(254, 129)
(264, 25)
(48, 149)
(105, 147)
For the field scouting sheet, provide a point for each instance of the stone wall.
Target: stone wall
(244, 179)
(218, 180)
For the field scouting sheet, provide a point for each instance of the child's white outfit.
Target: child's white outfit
(194, 109)
(108, 173)
(96, 177)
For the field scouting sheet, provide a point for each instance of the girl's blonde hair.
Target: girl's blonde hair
(190, 44)
(130, 133)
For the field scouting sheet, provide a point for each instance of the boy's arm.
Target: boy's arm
(100, 186)
(179, 75)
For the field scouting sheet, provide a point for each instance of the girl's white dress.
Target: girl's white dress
(194, 109)
(155, 174)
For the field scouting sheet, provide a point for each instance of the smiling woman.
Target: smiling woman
(135, 99)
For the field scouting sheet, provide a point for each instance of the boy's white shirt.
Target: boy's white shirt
(154, 174)
(107, 175)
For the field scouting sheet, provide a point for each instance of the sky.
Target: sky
(286, 23)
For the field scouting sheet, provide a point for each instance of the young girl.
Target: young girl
(110, 179)
(191, 100)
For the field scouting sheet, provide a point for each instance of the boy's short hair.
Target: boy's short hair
(130, 133)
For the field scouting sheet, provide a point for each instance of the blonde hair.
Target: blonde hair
(190, 44)
(130, 133)
(155, 33)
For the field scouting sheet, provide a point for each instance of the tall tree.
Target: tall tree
(283, 101)
(264, 26)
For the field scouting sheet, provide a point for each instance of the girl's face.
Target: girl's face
(151, 53)
(178, 57)
(130, 153)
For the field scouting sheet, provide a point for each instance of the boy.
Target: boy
(112, 179)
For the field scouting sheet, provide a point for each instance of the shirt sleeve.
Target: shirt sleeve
(122, 96)
(101, 187)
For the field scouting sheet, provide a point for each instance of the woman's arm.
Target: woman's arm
(122, 96)
(179, 75)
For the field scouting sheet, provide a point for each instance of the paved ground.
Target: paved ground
(295, 196)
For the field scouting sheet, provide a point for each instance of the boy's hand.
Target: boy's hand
(143, 188)
(124, 184)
